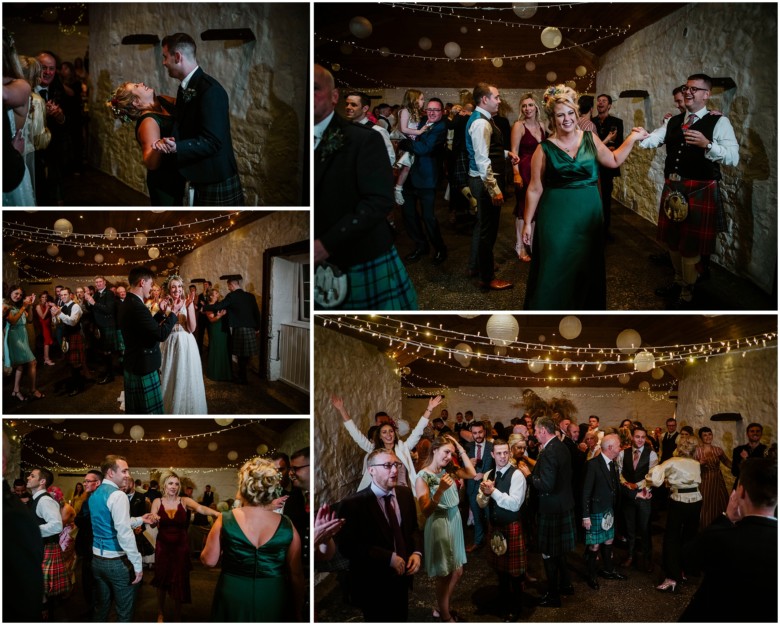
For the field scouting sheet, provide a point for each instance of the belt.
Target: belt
(694, 489)
(94, 555)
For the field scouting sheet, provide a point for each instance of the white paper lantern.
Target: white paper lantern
(110, 233)
(644, 385)
(58, 436)
(530, 66)
(536, 365)
(570, 327)
(425, 43)
(360, 27)
(464, 30)
(452, 50)
(98, 258)
(497, 62)
(136, 432)
(213, 446)
(170, 264)
(571, 84)
(120, 260)
(384, 51)
(80, 253)
(403, 427)
(140, 239)
(262, 448)
(566, 363)
(624, 378)
(52, 250)
(629, 341)
(118, 428)
(63, 228)
(153, 252)
(551, 76)
(182, 443)
(551, 37)
(346, 48)
(502, 329)
(463, 358)
(644, 361)
(657, 373)
(542, 338)
(406, 370)
(581, 70)
(50, 450)
(336, 67)
(84, 436)
(232, 455)
(223, 421)
(524, 10)
(153, 267)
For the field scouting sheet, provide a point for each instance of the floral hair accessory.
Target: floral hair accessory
(118, 112)
(552, 91)
(170, 279)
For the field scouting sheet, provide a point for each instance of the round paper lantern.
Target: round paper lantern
(336, 67)
(346, 48)
(425, 43)
(140, 239)
(571, 84)
(551, 37)
(232, 455)
(464, 30)
(223, 421)
(84, 436)
(536, 365)
(530, 66)
(624, 378)
(153, 252)
(644, 385)
(153, 267)
(644, 361)
(463, 358)
(406, 370)
(52, 250)
(182, 443)
(98, 258)
(384, 51)
(158, 210)
(566, 363)
(628, 341)
(542, 338)
(50, 450)
(581, 70)
(58, 259)
(58, 436)
(403, 427)
(499, 350)
(213, 446)
(502, 329)
(262, 448)
(121, 261)
(657, 373)
(136, 432)
(110, 233)
(524, 10)
(360, 27)
(497, 62)
(80, 253)
(118, 428)
(63, 228)
(452, 50)
(551, 76)
(170, 264)
(570, 327)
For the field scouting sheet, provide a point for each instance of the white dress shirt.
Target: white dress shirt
(49, 510)
(319, 129)
(119, 507)
(74, 317)
(480, 132)
(385, 137)
(627, 455)
(187, 78)
(509, 501)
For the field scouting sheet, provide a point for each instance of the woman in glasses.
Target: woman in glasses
(437, 493)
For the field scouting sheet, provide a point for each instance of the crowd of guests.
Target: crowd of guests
(46, 109)
(471, 153)
(114, 525)
(541, 486)
(84, 325)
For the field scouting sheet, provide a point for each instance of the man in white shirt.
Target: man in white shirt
(69, 315)
(356, 110)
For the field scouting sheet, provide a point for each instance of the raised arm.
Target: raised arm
(193, 505)
(419, 430)
(614, 159)
(466, 471)
(349, 424)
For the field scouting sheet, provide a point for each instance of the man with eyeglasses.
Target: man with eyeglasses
(92, 480)
(296, 506)
(379, 538)
(691, 212)
(356, 110)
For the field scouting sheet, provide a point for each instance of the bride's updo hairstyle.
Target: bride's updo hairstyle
(258, 480)
(559, 94)
(121, 104)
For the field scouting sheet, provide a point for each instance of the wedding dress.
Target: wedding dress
(181, 375)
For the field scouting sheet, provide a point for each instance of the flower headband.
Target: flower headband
(170, 279)
(118, 112)
(552, 92)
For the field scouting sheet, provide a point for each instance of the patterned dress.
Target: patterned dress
(713, 487)
(445, 549)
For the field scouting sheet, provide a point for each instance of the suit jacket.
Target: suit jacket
(737, 561)
(668, 445)
(242, 308)
(353, 194)
(600, 488)
(428, 150)
(143, 334)
(736, 457)
(204, 149)
(602, 130)
(552, 478)
(472, 486)
(138, 504)
(104, 309)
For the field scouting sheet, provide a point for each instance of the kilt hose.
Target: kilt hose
(696, 234)
(515, 561)
(556, 532)
(143, 394)
(224, 193)
(380, 284)
(75, 356)
(597, 535)
(56, 576)
(244, 342)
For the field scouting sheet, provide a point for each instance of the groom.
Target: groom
(143, 335)
(201, 138)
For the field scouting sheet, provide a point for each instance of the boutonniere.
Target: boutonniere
(188, 94)
(331, 143)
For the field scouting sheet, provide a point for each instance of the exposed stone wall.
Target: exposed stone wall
(266, 81)
(366, 379)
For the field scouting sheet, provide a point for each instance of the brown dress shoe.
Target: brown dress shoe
(496, 285)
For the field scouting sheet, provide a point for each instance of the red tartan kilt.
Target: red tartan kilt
(56, 576)
(515, 561)
(75, 355)
(696, 234)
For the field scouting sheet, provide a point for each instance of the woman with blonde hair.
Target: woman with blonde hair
(567, 269)
(262, 575)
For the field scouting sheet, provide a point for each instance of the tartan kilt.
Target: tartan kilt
(143, 394)
(556, 532)
(111, 339)
(75, 356)
(224, 193)
(515, 561)
(245, 342)
(460, 174)
(380, 284)
(56, 576)
(596, 535)
(696, 235)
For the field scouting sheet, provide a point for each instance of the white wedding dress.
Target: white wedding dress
(181, 375)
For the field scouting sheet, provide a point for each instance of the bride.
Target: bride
(181, 375)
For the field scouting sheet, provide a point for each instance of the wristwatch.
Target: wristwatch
(709, 146)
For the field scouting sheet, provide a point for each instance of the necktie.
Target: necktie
(398, 537)
(692, 119)
(44, 93)
(479, 452)
(179, 95)
(636, 458)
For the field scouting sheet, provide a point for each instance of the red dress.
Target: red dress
(43, 326)
(172, 564)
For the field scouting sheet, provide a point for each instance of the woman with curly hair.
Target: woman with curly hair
(262, 576)
(567, 268)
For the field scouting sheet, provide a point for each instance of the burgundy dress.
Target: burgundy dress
(172, 564)
(526, 151)
(43, 326)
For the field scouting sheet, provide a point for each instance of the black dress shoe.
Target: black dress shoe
(415, 256)
(567, 590)
(440, 257)
(74, 392)
(106, 380)
(549, 601)
(593, 583)
(612, 575)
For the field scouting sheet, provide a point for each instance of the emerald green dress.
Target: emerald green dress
(567, 264)
(219, 364)
(253, 586)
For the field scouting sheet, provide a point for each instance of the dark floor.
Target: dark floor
(633, 600)
(632, 276)
(258, 397)
(95, 188)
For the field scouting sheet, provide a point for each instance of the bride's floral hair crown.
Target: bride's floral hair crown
(121, 104)
(170, 279)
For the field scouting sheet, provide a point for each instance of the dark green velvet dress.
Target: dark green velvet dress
(567, 261)
(252, 587)
(165, 184)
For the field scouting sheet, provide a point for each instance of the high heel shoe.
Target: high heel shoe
(18, 396)
(668, 585)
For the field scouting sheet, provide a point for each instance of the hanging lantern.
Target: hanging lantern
(499, 350)
(136, 432)
(50, 450)
(232, 455)
(502, 329)
(644, 361)
(452, 50)
(336, 67)
(140, 239)
(80, 253)
(530, 66)
(118, 428)
(213, 446)
(425, 43)
(657, 373)
(581, 70)
(158, 210)
(624, 378)
(153, 252)
(360, 27)
(566, 363)
(63, 228)
(223, 421)
(551, 76)
(536, 365)
(524, 10)
(98, 258)
(58, 436)
(542, 338)
(262, 448)
(170, 264)
(571, 84)
(464, 30)
(644, 385)
(570, 327)
(497, 62)
(463, 358)
(52, 250)
(406, 370)
(384, 51)
(551, 37)
(629, 341)
(182, 443)
(468, 316)
(84, 436)
(110, 233)
(58, 259)
(121, 261)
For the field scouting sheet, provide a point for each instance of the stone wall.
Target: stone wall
(367, 381)
(266, 81)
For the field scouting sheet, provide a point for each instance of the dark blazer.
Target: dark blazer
(737, 561)
(552, 478)
(104, 309)
(602, 130)
(138, 504)
(367, 541)
(204, 149)
(428, 150)
(668, 445)
(472, 486)
(736, 457)
(242, 308)
(143, 334)
(353, 194)
(600, 488)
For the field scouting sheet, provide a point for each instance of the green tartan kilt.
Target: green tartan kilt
(556, 532)
(597, 535)
(111, 339)
(225, 193)
(380, 284)
(245, 342)
(143, 394)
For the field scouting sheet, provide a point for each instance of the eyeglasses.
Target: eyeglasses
(388, 465)
(433, 110)
(294, 469)
(692, 90)
(91, 481)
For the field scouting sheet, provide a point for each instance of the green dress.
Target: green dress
(567, 264)
(219, 364)
(252, 586)
(445, 549)
(165, 184)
